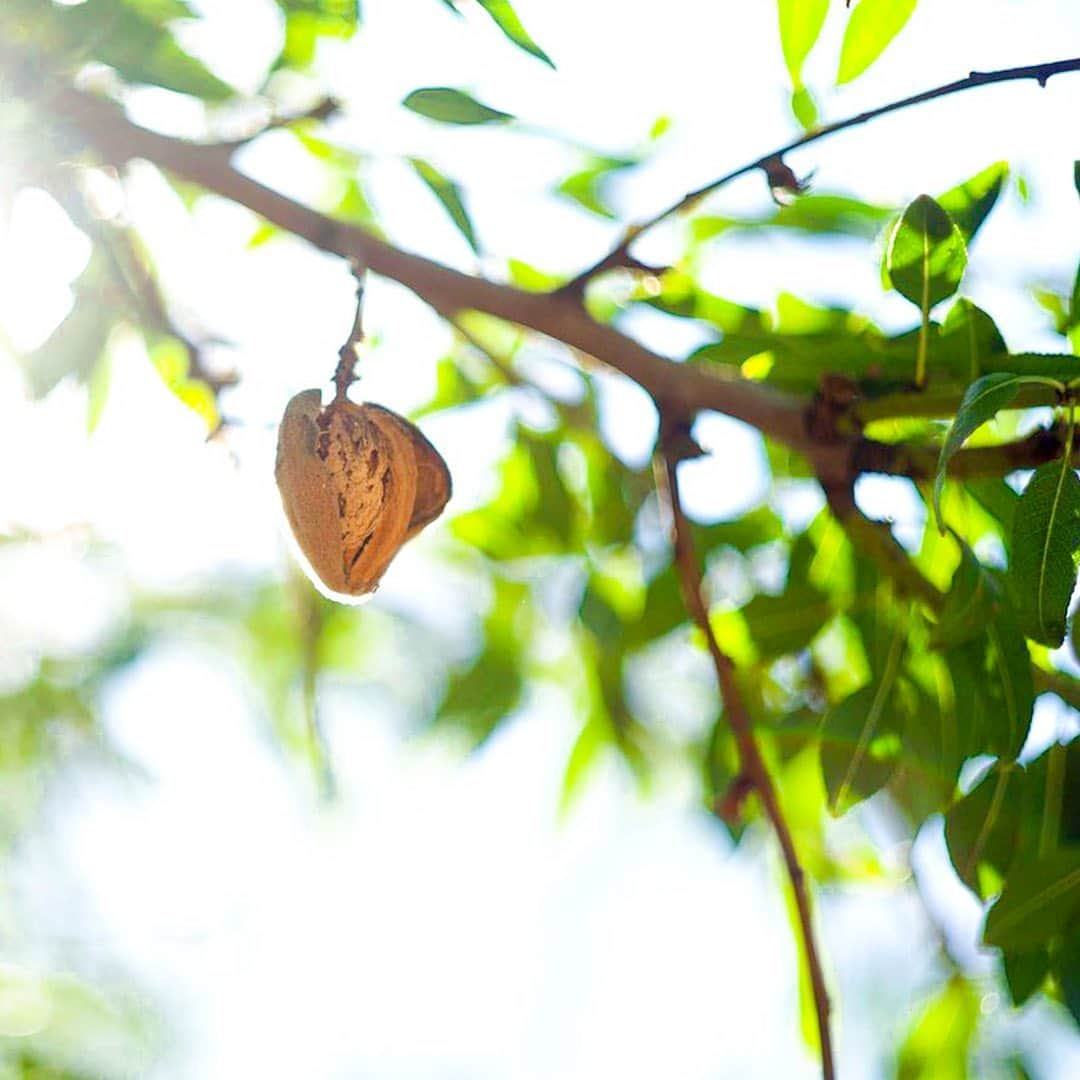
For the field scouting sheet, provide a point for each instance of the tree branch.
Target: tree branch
(770, 162)
(754, 772)
(685, 387)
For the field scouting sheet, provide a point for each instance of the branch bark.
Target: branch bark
(754, 772)
(118, 140)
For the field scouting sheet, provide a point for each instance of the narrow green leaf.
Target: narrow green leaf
(804, 109)
(870, 29)
(982, 401)
(800, 24)
(969, 203)
(1039, 899)
(1076, 176)
(449, 194)
(926, 256)
(1045, 544)
(506, 19)
(450, 106)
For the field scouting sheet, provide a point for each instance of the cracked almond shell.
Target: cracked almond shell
(356, 482)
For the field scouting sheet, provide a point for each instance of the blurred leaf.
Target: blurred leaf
(840, 215)
(1040, 898)
(969, 203)
(984, 825)
(789, 622)
(1025, 972)
(75, 347)
(587, 186)
(450, 106)
(307, 22)
(861, 739)
(939, 1044)
(800, 24)
(1046, 541)
(487, 690)
(449, 194)
(968, 605)
(870, 29)
(804, 109)
(133, 38)
(1065, 964)
(927, 256)
(506, 19)
(588, 747)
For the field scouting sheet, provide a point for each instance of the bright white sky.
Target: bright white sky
(441, 922)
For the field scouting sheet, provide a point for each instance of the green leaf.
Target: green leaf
(1076, 176)
(481, 695)
(804, 109)
(449, 194)
(983, 826)
(800, 24)
(789, 622)
(968, 605)
(969, 337)
(938, 1046)
(506, 19)
(1025, 972)
(969, 203)
(586, 186)
(450, 106)
(982, 401)
(926, 256)
(1065, 964)
(861, 739)
(992, 683)
(134, 40)
(1045, 543)
(870, 29)
(1039, 900)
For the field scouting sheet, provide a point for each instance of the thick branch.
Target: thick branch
(754, 772)
(684, 387)
(769, 162)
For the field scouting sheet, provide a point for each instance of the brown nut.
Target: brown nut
(356, 482)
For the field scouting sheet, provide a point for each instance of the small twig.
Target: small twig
(753, 769)
(1041, 73)
(345, 372)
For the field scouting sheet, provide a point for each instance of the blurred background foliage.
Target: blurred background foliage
(552, 587)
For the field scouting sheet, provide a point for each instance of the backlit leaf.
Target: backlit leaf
(926, 256)
(450, 106)
(1045, 543)
(969, 203)
(870, 29)
(983, 400)
(1040, 898)
(800, 24)
(983, 826)
(449, 194)
(506, 19)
